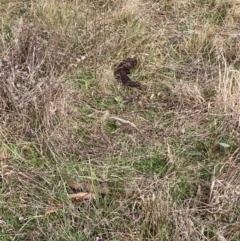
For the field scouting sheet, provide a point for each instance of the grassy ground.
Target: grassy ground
(160, 163)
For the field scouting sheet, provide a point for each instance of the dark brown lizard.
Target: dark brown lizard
(122, 70)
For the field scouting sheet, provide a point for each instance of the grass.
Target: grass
(167, 155)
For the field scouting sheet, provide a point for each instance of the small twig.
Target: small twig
(124, 121)
(95, 42)
(81, 196)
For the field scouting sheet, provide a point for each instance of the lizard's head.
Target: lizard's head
(131, 62)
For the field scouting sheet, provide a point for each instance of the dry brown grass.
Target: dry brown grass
(168, 154)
